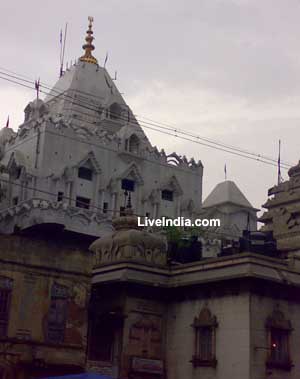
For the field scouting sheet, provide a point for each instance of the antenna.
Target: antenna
(61, 48)
(105, 60)
(115, 78)
(37, 88)
(279, 178)
(63, 51)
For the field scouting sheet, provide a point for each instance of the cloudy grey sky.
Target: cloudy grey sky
(224, 69)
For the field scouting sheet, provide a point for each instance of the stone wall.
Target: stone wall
(232, 338)
(262, 307)
(35, 267)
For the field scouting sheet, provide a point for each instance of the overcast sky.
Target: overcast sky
(228, 70)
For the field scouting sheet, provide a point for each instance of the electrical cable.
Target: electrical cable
(258, 157)
(75, 200)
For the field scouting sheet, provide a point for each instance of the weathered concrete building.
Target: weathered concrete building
(65, 178)
(227, 317)
(227, 203)
(283, 212)
(44, 293)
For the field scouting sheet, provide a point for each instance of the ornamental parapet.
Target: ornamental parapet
(41, 211)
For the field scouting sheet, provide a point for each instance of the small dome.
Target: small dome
(294, 171)
(5, 135)
(226, 192)
(129, 242)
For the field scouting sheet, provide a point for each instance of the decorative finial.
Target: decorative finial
(89, 47)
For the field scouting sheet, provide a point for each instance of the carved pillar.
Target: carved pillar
(25, 195)
(101, 199)
(53, 186)
(114, 203)
(178, 206)
(9, 191)
(155, 210)
(34, 182)
(96, 191)
(21, 190)
(69, 192)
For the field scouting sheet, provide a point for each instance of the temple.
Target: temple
(80, 152)
(84, 289)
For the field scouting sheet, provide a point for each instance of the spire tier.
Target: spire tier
(88, 46)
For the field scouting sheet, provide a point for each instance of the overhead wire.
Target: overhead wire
(152, 122)
(101, 209)
(175, 131)
(258, 158)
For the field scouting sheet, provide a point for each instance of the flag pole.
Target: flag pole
(60, 55)
(37, 87)
(63, 51)
(279, 163)
(105, 61)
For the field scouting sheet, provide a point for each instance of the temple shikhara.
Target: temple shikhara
(81, 150)
(84, 289)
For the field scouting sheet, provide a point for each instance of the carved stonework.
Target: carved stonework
(204, 319)
(278, 321)
(28, 212)
(129, 243)
(205, 339)
(145, 336)
(283, 212)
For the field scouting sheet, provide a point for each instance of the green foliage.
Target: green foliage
(196, 231)
(177, 236)
(173, 233)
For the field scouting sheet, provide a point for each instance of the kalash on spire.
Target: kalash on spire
(92, 155)
(88, 46)
(86, 97)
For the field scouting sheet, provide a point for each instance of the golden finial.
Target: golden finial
(89, 47)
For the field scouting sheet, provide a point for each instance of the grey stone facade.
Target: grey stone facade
(85, 124)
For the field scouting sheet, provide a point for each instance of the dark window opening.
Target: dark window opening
(60, 196)
(105, 207)
(205, 343)
(18, 173)
(134, 144)
(279, 330)
(167, 195)
(57, 315)
(128, 185)
(5, 297)
(115, 111)
(15, 200)
(27, 114)
(82, 202)
(85, 173)
(279, 346)
(101, 341)
(122, 211)
(205, 339)
(147, 214)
